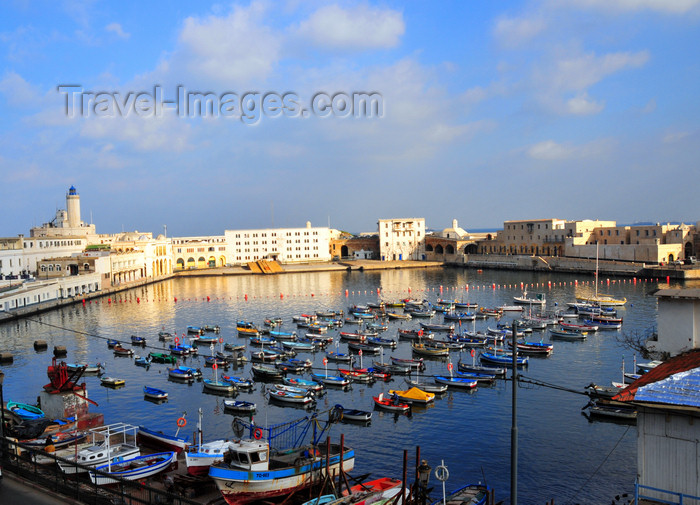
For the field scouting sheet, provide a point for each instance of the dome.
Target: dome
(160, 237)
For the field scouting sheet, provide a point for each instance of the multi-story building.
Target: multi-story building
(12, 261)
(534, 237)
(286, 245)
(200, 252)
(401, 239)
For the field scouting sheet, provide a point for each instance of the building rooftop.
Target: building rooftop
(684, 293)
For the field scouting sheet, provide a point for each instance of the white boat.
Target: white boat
(103, 449)
(524, 300)
(200, 457)
(250, 472)
(136, 468)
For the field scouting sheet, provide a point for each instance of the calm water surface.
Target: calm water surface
(562, 455)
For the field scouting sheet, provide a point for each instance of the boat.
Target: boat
(239, 406)
(111, 343)
(215, 360)
(365, 348)
(247, 329)
(430, 351)
(136, 468)
(299, 346)
(199, 458)
(387, 370)
(331, 380)
(179, 350)
(283, 335)
(87, 368)
(524, 300)
(578, 327)
(212, 328)
(396, 315)
(217, 386)
(161, 357)
(179, 374)
(356, 375)
(122, 351)
(413, 395)
(265, 356)
(438, 327)
(459, 316)
(58, 439)
(510, 308)
(606, 408)
(163, 441)
(303, 383)
(266, 372)
(196, 372)
(603, 300)
(142, 360)
(390, 404)
(261, 340)
(456, 382)
(239, 382)
(25, 411)
(102, 448)
(471, 494)
(501, 358)
(362, 416)
(339, 356)
(605, 324)
(428, 388)
(138, 340)
(289, 397)
(412, 363)
(154, 393)
(565, 334)
(164, 336)
(482, 369)
(533, 348)
(112, 382)
(195, 330)
(384, 342)
(480, 378)
(250, 471)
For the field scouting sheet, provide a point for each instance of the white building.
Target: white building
(678, 322)
(12, 262)
(67, 222)
(402, 239)
(286, 245)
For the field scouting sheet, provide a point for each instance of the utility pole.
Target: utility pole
(514, 427)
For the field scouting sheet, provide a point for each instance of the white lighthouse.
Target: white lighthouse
(73, 208)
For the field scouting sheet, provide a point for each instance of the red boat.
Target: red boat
(391, 404)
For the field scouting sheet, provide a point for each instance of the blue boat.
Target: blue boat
(154, 393)
(196, 372)
(111, 343)
(331, 380)
(142, 360)
(472, 494)
(303, 383)
(25, 411)
(239, 382)
(138, 340)
(283, 335)
(503, 359)
(132, 469)
(456, 382)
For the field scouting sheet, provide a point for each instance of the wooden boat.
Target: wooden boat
(605, 324)
(384, 342)
(459, 316)
(423, 314)
(247, 329)
(136, 468)
(112, 382)
(413, 363)
(164, 336)
(266, 356)
(564, 334)
(356, 375)
(161, 357)
(428, 388)
(142, 360)
(501, 358)
(471, 494)
(102, 448)
(413, 395)
(206, 341)
(87, 368)
(154, 393)
(212, 328)
(239, 406)
(273, 322)
(331, 380)
(290, 397)
(283, 335)
(414, 335)
(218, 386)
(299, 346)
(379, 327)
(605, 408)
(480, 378)
(179, 350)
(596, 391)
(122, 351)
(361, 416)
(603, 300)
(533, 348)
(239, 382)
(396, 315)
(215, 360)
(294, 365)
(260, 340)
(339, 356)
(456, 382)
(431, 351)
(111, 343)
(396, 304)
(579, 327)
(483, 369)
(365, 348)
(387, 370)
(25, 411)
(524, 300)
(266, 372)
(438, 327)
(195, 330)
(179, 374)
(58, 439)
(233, 347)
(303, 383)
(250, 472)
(390, 404)
(163, 441)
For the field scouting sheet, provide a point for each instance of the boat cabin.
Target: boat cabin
(249, 455)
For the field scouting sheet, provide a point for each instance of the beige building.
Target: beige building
(200, 252)
(401, 239)
(539, 237)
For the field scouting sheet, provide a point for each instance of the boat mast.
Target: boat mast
(596, 271)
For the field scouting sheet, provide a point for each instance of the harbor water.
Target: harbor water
(562, 454)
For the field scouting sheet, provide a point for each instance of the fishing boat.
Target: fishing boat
(266, 372)
(388, 369)
(603, 324)
(283, 335)
(423, 314)
(179, 374)
(384, 342)
(430, 351)
(199, 458)
(365, 348)
(161, 357)
(239, 406)
(111, 343)
(510, 308)
(179, 350)
(456, 382)
(136, 468)
(428, 388)
(459, 316)
(415, 334)
(579, 327)
(25, 411)
(266, 356)
(356, 375)
(164, 336)
(395, 315)
(122, 351)
(215, 360)
(138, 340)
(217, 386)
(480, 378)
(195, 330)
(261, 340)
(163, 441)
(481, 369)
(293, 365)
(502, 358)
(331, 380)
(250, 471)
(413, 395)
(339, 356)
(565, 334)
(289, 397)
(303, 383)
(299, 346)
(412, 363)
(361, 416)
(212, 328)
(102, 448)
(390, 404)
(524, 300)
(471, 494)
(142, 360)
(112, 382)
(87, 368)
(532, 348)
(196, 372)
(247, 329)
(59, 439)
(154, 393)
(234, 347)
(239, 382)
(438, 327)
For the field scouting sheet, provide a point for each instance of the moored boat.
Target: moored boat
(471, 494)
(154, 393)
(163, 441)
(390, 404)
(136, 468)
(413, 395)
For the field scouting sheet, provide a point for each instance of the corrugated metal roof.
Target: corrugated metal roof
(687, 293)
(682, 388)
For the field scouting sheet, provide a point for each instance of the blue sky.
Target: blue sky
(571, 109)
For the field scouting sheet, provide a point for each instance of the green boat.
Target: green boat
(159, 357)
(25, 411)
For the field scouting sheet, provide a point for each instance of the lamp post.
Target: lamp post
(2, 419)
(423, 477)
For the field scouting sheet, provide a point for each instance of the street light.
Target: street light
(423, 478)
(2, 419)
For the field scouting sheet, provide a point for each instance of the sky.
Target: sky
(482, 112)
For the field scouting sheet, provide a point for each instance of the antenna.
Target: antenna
(272, 212)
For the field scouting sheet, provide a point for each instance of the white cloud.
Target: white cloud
(673, 137)
(550, 150)
(236, 48)
(580, 72)
(117, 29)
(664, 6)
(18, 91)
(359, 27)
(512, 32)
(166, 133)
(582, 105)
(649, 107)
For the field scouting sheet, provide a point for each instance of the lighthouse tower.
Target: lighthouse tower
(73, 208)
